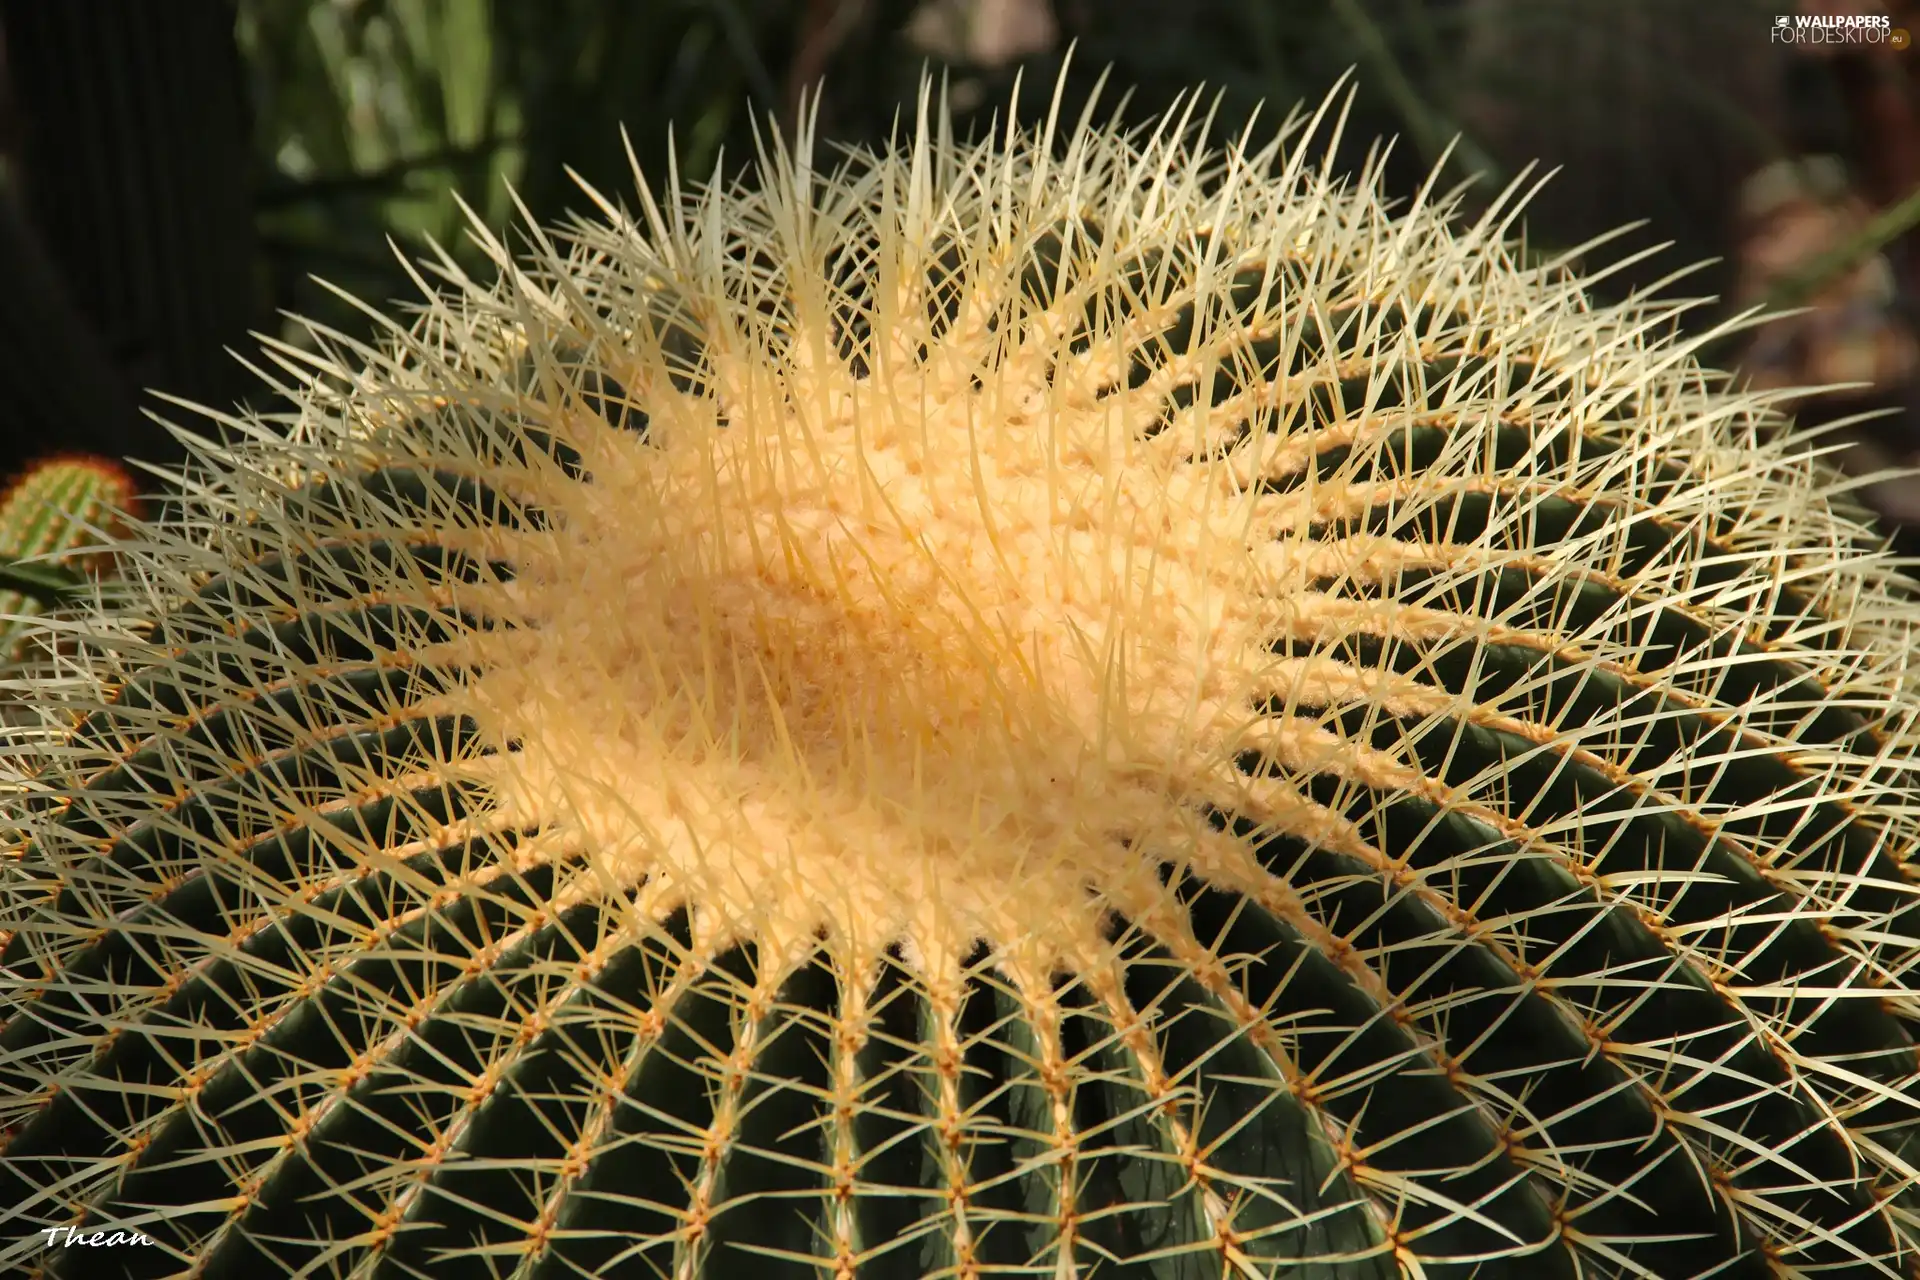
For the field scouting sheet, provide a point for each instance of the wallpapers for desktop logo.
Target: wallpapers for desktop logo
(1839, 29)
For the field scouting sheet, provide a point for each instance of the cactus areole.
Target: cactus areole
(1077, 704)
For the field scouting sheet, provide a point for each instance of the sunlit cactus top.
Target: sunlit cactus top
(1075, 703)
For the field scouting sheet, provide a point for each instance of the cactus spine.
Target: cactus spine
(1074, 704)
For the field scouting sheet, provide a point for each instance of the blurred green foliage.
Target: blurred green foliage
(375, 118)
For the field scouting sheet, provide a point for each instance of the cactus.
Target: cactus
(51, 522)
(1076, 704)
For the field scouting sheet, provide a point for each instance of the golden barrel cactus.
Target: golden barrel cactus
(54, 518)
(1075, 704)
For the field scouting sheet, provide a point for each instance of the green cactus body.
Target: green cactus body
(1068, 706)
(54, 514)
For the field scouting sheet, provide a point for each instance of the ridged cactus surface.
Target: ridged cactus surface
(54, 516)
(1073, 705)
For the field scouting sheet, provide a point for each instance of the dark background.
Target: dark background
(174, 173)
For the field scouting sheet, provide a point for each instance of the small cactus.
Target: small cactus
(1074, 704)
(51, 522)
